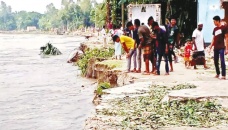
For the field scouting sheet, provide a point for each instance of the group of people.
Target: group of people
(154, 41)
(157, 42)
(219, 43)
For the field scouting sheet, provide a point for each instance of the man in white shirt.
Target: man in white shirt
(199, 44)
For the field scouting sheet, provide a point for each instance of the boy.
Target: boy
(128, 45)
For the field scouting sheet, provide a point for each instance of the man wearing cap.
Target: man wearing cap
(199, 44)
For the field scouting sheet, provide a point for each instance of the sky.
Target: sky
(33, 5)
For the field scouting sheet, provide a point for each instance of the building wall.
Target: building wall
(207, 9)
(137, 12)
(31, 28)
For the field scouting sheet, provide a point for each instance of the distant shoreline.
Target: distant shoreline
(74, 33)
(26, 32)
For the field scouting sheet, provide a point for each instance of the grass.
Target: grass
(112, 63)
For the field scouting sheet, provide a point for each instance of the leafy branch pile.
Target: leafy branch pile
(93, 53)
(49, 49)
(101, 87)
(150, 113)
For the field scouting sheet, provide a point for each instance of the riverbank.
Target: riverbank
(136, 85)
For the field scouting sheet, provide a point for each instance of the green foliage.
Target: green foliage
(93, 53)
(7, 21)
(150, 112)
(101, 87)
(49, 49)
(70, 17)
(98, 14)
(24, 19)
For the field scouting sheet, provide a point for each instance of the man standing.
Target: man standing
(145, 43)
(219, 33)
(138, 52)
(150, 22)
(199, 44)
(161, 47)
(173, 39)
(153, 58)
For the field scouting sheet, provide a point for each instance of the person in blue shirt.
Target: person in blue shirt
(161, 45)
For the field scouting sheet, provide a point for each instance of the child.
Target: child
(117, 32)
(187, 52)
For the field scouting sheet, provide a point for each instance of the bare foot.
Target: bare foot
(216, 76)
(138, 71)
(223, 78)
(146, 73)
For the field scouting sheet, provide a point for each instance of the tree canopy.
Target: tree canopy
(74, 15)
(71, 16)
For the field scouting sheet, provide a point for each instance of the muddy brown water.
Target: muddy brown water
(41, 93)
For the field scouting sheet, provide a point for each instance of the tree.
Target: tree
(50, 19)
(98, 15)
(7, 21)
(25, 19)
(86, 9)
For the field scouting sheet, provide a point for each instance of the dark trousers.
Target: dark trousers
(171, 52)
(220, 54)
(158, 63)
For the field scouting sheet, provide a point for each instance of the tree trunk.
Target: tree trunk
(108, 12)
(122, 14)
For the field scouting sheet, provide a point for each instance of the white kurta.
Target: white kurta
(118, 32)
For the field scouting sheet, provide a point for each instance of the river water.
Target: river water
(41, 93)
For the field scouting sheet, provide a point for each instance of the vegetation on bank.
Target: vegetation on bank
(101, 87)
(150, 112)
(97, 54)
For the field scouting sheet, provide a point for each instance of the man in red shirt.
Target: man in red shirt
(219, 33)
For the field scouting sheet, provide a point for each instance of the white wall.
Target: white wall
(151, 10)
(207, 9)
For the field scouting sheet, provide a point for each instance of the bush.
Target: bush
(93, 53)
(101, 87)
